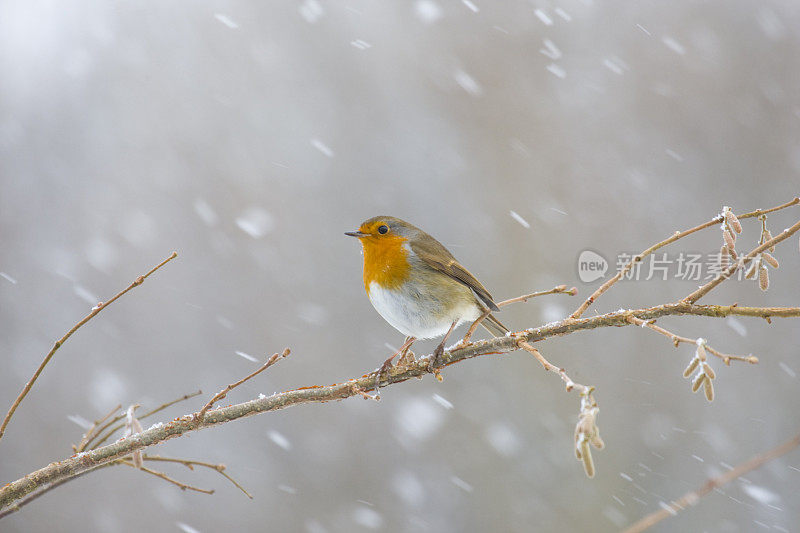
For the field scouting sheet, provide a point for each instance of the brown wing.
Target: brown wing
(437, 257)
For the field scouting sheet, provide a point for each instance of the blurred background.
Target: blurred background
(249, 136)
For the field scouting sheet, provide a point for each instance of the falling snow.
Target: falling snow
(736, 325)
(761, 494)
(471, 6)
(461, 484)
(674, 155)
(80, 421)
(615, 65)
(503, 439)
(311, 11)
(361, 45)
(279, 440)
(205, 212)
(418, 420)
(255, 221)
(84, 294)
(563, 14)
(408, 487)
(314, 526)
(550, 50)
(468, 83)
(367, 517)
(427, 11)
(442, 401)
(544, 17)
(313, 313)
(225, 19)
(322, 147)
(246, 356)
(557, 71)
(287, 489)
(524, 223)
(786, 368)
(674, 45)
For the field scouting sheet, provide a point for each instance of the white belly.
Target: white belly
(413, 318)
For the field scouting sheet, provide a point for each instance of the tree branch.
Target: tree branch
(181, 485)
(221, 394)
(725, 274)
(190, 464)
(95, 310)
(678, 235)
(84, 461)
(110, 428)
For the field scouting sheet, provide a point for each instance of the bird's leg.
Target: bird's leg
(473, 327)
(407, 357)
(388, 363)
(436, 360)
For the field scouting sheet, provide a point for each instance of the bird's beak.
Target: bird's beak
(358, 234)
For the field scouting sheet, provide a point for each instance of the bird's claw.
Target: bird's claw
(384, 368)
(407, 359)
(436, 360)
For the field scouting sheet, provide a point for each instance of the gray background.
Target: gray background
(129, 129)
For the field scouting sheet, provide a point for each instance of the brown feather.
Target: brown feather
(435, 255)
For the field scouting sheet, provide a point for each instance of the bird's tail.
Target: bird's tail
(494, 326)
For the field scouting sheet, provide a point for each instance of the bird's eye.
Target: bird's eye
(383, 230)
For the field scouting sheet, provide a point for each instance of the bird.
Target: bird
(418, 287)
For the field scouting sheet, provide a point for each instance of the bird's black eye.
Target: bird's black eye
(383, 230)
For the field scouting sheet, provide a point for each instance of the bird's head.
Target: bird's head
(384, 230)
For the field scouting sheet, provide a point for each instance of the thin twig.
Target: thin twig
(91, 431)
(725, 274)
(678, 235)
(561, 289)
(677, 339)
(759, 212)
(221, 394)
(162, 475)
(550, 367)
(692, 497)
(101, 440)
(103, 432)
(190, 464)
(95, 310)
(586, 430)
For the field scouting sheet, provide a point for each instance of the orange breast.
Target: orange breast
(385, 261)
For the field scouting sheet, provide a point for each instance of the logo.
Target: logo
(591, 266)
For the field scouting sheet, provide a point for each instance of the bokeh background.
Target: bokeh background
(249, 136)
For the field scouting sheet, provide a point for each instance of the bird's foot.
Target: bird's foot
(436, 362)
(360, 391)
(463, 343)
(407, 359)
(384, 368)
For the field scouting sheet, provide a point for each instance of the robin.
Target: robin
(418, 287)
